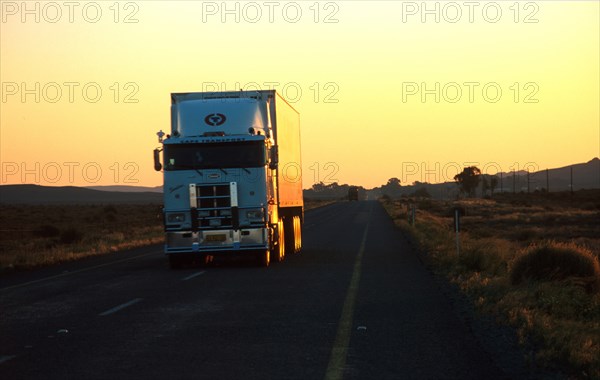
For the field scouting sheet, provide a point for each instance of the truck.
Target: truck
(232, 177)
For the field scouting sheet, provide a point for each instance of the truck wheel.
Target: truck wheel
(263, 258)
(290, 235)
(298, 234)
(293, 237)
(280, 250)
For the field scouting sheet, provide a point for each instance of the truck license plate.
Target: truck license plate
(216, 238)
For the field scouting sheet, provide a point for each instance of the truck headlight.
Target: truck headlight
(175, 217)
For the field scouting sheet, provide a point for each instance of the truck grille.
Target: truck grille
(213, 206)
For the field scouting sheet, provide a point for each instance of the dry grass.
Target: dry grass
(33, 236)
(552, 261)
(549, 247)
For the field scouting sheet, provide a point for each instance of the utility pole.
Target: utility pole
(514, 182)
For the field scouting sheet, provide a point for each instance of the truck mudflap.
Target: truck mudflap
(217, 240)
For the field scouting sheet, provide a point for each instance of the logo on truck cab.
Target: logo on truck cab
(215, 119)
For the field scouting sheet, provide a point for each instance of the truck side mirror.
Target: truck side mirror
(157, 164)
(273, 157)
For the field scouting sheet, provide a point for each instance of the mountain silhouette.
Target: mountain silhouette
(36, 194)
(585, 176)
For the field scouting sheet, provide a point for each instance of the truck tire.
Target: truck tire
(278, 253)
(293, 235)
(263, 258)
(298, 234)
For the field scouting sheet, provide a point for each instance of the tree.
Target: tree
(393, 182)
(392, 188)
(468, 180)
(318, 186)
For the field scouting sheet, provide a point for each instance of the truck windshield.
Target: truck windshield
(246, 154)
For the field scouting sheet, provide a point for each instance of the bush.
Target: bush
(110, 209)
(485, 255)
(553, 261)
(385, 197)
(421, 193)
(47, 231)
(525, 234)
(70, 236)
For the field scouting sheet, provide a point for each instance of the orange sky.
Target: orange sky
(385, 89)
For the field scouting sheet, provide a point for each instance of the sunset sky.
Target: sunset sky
(384, 88)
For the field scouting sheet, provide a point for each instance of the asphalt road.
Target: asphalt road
(355, 304)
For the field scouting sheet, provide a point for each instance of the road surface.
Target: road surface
(355, 304)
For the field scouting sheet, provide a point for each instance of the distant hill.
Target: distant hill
(127, 189)
(585, 176)
(35, 194)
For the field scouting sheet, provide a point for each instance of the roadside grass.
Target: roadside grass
(41, 235)
(532, 264)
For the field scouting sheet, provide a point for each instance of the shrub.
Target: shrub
(70, 236)
(46, 231)
(485, 255)
(385, 198)
(110, 209)
(525, 234)
(553, 261)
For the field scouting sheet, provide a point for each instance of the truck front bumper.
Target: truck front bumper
(225, 241)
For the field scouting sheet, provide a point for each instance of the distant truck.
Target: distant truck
(353, 193)
(232, 177)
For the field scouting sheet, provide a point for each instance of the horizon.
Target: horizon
(384, 90)
(520, 173)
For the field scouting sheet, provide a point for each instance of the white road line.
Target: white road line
(76, 271)
(120, 307)
(193, 275)
(6, 358)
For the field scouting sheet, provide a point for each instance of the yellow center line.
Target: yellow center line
(337, 360)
